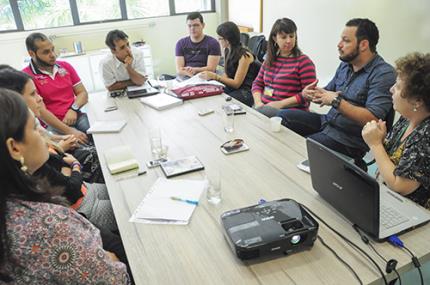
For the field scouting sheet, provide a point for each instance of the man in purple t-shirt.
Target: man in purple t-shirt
(198, 52)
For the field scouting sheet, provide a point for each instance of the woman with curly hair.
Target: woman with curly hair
(403, 157)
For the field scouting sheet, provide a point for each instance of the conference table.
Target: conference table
(198, 253)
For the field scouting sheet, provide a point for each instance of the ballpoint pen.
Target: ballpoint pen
(193, 202)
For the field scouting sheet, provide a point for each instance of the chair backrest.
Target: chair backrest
(244, 39)
(258, 46)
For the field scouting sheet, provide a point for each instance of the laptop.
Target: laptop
(377, 210)
(141, 91)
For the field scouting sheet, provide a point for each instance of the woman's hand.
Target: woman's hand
(207, 75)
(69, 159)
(374, 132)
(68, 142)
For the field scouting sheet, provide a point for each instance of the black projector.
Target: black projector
(269, 230)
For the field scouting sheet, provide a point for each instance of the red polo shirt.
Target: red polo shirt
(56, 89)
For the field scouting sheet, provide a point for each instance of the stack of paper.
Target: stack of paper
(100, 127)
(120, 159)
(158, 207)
(161, 101)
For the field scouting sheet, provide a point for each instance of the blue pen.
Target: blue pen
(185, 200)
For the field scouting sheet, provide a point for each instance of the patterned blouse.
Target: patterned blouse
(51, 244)
(412, 157)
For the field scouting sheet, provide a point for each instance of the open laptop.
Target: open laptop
(377, 210)
(141, 91)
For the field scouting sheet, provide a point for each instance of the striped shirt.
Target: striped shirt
(286, 77)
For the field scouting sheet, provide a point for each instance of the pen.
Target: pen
(193, 202)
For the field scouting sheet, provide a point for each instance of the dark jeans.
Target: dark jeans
(310, 125)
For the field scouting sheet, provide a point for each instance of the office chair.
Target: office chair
(244, 39)
(258, 46)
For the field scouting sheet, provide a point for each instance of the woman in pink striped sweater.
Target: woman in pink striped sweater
(284, 73)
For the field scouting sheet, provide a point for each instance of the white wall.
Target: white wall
(245, 13)
(404, 26)
(161, 33)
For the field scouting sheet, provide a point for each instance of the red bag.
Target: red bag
(197, 91)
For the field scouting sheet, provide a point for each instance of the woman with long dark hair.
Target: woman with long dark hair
(41, 241)
(240, 67)
(285, 72)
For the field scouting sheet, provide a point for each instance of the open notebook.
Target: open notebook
(158, 207)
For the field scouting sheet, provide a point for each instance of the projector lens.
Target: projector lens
(295, 239)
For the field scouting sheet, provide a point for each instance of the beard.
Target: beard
(42, 63)
(350, 57)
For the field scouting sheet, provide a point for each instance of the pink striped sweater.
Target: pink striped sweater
(287, 77)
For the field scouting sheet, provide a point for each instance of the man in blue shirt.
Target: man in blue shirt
(358, 93)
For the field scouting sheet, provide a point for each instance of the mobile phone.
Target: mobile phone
(205, 112)
(116, 93)
(111, 108)
(155, 162)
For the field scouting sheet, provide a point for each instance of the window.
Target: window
(95, 10)
(185, 6)
(21, 15)
(145, 8)
(45, 13)
(7, 21)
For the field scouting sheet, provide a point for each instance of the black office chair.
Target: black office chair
(244, 39)
(258, 46)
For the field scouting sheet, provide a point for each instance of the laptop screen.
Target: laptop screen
(346, 187)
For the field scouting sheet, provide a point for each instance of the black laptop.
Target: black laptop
(141, 91)
(377, 210)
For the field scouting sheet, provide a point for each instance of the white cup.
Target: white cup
(213, 187)
(275, 124)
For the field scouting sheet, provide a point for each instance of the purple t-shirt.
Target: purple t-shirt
(196, 54)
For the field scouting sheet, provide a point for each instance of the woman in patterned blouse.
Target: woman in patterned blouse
(403, 158)
(42, 242)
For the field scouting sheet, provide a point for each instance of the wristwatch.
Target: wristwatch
(75, 107)
(336, 101)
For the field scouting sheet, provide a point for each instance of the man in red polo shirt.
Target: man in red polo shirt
(60, 87)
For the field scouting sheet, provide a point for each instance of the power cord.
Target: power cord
(350, 243)
(340, 259)
(390, 264)
(394, 240)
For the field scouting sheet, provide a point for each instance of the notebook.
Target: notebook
(140, 91)
(158, 207)
(120, 159)
(359, 197)
(161, 101)
(100, 127)
(180, 166)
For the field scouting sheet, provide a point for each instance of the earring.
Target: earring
(415, 109)
(24, 167)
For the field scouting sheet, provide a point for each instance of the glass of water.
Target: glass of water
(213, 187)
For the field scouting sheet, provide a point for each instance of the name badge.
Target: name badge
(268, 91)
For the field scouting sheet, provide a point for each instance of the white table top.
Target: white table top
(198, 253)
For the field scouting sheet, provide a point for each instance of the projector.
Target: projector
(269, 230)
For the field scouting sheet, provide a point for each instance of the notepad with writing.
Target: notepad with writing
(120, 159)
(161, 101)
(159, 208)
(99, 127)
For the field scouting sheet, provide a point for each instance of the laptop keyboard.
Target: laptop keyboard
(390, 217)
